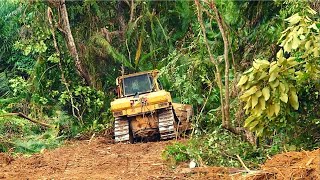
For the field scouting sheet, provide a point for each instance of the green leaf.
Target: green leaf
(270, 110)
(288, 46)
(54, 58)
(262, 103)
(314, 26)
(262, 75)
(248, 121)
(293, 100)
(316, 52)
(248, 104)
(254, 100)
(281, 61)
(273, 68)
(307, 45)
(266, 93)
(252, 76)
(256, 65)
(249, 92)
(279, 54)
(242, 80)
(275, 83)
(311, 11)
(276, 108)
(248, 71)
(27, 51)
(295, 42)
(273, 76)
(294, 19)
(253, 125)
(259, 131)
(263, 63)
(282, 87)
(284, 97)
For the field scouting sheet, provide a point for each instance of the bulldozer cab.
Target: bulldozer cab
(138, 83)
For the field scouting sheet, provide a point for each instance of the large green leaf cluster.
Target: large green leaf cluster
(272, 90)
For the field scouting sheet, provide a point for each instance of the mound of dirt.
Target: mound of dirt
(291, 165)
(205, 173)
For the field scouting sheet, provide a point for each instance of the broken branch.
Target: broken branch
(28, 118)
(242, 163)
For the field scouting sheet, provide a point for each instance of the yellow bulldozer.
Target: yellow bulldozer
(143, 110)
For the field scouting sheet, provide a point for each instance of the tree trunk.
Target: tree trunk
(214, 62)
(75, 110)
(226, 122)
(71, 44)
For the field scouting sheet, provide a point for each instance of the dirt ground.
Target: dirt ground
(291, 165)
(99, 159)
(95, 160)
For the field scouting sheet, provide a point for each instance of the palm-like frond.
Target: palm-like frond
(4, 85)
(100, 45)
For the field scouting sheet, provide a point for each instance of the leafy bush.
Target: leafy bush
(21, 136)
(176, 153)
(87, 103)
(272, 90)
(37, 143)
(219, 148)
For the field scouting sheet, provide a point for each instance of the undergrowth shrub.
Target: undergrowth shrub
(220, 148)
(176, 153)
(38, 142)
(19, 135)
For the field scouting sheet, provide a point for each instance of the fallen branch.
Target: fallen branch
(92, 137)
(310, 161)
(242, 163)
(28, 118)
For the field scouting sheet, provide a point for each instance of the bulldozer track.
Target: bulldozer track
(121, 130)
(166, 124)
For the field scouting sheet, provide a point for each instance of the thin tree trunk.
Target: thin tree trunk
(216, 64)
(226, 107)
(225, 101)
(63, 79)
(121, 19)
(71, 44)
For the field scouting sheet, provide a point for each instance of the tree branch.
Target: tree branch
(20, 114)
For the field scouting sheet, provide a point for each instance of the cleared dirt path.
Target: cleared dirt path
(99, 159)
(95, 160)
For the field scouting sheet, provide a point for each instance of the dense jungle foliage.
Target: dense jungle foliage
(251, 70)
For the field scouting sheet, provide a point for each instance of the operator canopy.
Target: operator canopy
(137, 84)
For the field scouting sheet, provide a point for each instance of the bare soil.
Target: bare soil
(292, 165)
(100, 159)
